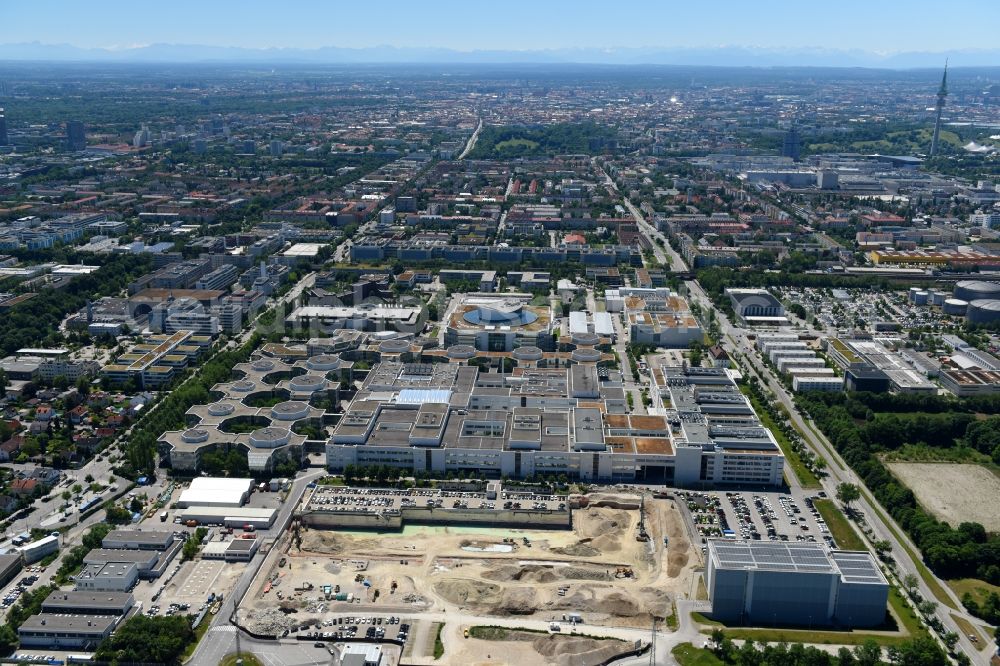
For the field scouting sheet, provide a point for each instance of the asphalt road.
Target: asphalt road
(837, 471)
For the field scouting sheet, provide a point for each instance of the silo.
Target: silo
(975, 290)
(984, 311)
(955, 307)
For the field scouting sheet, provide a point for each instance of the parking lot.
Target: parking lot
(382, 500)
(755, 515)
(21, 584)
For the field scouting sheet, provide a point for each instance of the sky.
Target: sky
(884, 26)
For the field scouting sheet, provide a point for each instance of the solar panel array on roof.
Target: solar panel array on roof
(857, 567)
(804, 557)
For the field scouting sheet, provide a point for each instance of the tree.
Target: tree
(696, 353)
(847, 493)
(83, 386)
(148, 639)
(911, 583)
(868, 653)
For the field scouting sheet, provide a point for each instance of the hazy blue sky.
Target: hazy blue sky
(871, 25)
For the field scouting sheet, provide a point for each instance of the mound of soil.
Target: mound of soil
(581, 548)
(466, 591)
(576, 651)
(518, 601)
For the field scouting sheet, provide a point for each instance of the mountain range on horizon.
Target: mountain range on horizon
(722, 56)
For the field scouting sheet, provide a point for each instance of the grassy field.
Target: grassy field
(968, 628)
(517, 143)
(841, 529)
(977, 588)
(688, 655)
(925, 574)
(806, 478)
(438, 643)
(248, 660)
(702, 591)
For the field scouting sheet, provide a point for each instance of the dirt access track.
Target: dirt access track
(597, 569)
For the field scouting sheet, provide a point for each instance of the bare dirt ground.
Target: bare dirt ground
(954, 492)
(598, 569)
(523, 647)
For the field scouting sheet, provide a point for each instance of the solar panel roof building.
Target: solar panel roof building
(781, 583)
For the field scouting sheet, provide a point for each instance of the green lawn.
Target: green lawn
(688, 655)
(248, 660)
(925, 574)
(841, 529)
(438, 644)
(806, 478)
(967, 627)
(977, 588)
(815, 637)
(517, 143)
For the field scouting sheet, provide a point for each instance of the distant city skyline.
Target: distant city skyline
(875, 28)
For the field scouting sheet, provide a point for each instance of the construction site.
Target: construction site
(622, 563)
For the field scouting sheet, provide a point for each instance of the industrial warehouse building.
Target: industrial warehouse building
(784, 583)
(261, 519)
(215, 491)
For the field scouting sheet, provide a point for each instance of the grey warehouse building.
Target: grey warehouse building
(778, 583)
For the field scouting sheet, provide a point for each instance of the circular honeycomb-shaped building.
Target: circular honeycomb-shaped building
(586, 355)
(394, 346)
(221, 409)
(528, 353)
(270, 437)
(244, 386)
(461, 352)
(586, 339)
(307, 383)
(195, 435)
(507, 313)
(290, 410)
(263, 365)
(955, 307)
(983, 311)
(323, 362)
(974, 290)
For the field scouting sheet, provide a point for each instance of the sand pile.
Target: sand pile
(576, 650)
(581, 548)
(468, 592)
(518, 601)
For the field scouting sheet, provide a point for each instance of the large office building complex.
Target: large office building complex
(450, 417)
(784, 583)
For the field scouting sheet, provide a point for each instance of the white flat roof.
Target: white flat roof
(245, 512)
(221, 483)
(216, 490)
(303, 250)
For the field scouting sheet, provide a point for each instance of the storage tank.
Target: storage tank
(955, 306)
(974, 290)
(912, 296)
(920, 298)
(938, 297)
(984, 311)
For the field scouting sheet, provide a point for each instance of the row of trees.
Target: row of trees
(965, 551)
(921, 651)
(140, 451)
